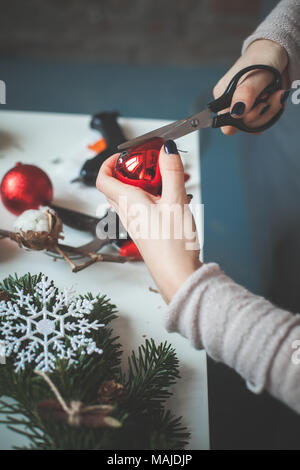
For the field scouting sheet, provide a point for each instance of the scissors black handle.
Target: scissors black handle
(224, 101)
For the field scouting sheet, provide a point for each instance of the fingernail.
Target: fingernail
(190, 197)
(170, 147)
(284, 96)
(265, 109)
(238, 108)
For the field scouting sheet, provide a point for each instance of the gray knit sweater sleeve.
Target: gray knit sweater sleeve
(282, 25)
(246, 332)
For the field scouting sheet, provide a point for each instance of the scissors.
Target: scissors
(205, 118)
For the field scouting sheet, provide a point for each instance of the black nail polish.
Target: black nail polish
(190, 196)
(170, 147)
(284, 96)
(265, 109)
(238, 108)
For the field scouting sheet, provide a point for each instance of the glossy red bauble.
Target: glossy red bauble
(25, 187)
(138, 166)
(129, 248)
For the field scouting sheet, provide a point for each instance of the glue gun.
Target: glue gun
(106, 123)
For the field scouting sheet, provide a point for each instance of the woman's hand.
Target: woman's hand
(162, 227)
(251, 85)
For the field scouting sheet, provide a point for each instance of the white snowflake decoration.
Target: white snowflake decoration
(42, 332)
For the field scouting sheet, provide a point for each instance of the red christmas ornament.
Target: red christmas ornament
(186, 177)
(25, 187)
(129, 248)
(138, 166)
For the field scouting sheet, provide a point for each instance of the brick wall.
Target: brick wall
(127, 31)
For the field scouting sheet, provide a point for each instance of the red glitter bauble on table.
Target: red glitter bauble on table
(139, 166)
(25, 187)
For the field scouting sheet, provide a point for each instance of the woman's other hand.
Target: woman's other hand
(251, 85)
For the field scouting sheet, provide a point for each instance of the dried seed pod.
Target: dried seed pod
(38, 229)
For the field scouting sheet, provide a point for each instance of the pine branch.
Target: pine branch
(152, 371)
(169, 433)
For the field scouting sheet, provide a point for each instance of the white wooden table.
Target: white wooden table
(58, 144)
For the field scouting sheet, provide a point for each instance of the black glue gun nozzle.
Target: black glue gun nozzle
(79, 179)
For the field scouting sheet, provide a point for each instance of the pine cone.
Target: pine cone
(110, 392)
(4, 295)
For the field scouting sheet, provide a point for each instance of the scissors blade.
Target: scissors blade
(174, 130)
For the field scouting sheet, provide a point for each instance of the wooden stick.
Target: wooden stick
(65, 257)
(61, 250)
(6, 233)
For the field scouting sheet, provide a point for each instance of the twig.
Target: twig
(65, 257)
(75, 409)
(63, 250)
(93, 257)
(7, 234)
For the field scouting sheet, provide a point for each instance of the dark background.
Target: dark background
(139, 32)
(156, 59)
